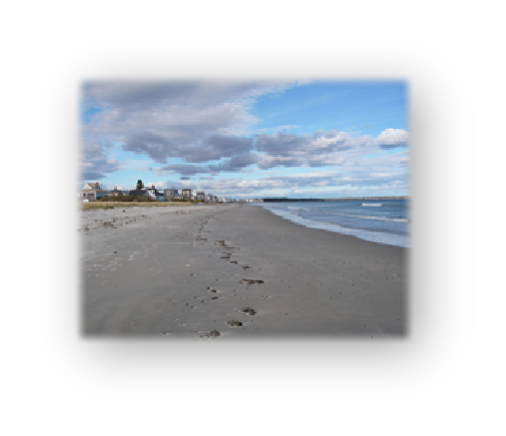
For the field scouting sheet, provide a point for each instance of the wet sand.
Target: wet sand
(232, 271)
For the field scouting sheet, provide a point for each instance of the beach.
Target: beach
(234, 271)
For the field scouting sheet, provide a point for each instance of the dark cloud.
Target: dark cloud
(159, 148)
(237, 163)
(280, 144)
(94, 163)
(217, 147)
(277, 150)
(268, 162)
(152, 144)
(137, 95)
(289, 150)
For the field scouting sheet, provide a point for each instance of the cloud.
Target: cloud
(391, 138)
(237, 163)
(280, 145)
(204, 125)
(182, 113)
(194, 121)
(94, 163)
(315, 174)
(154, 145)
(317, 149)
(307, 185)
(218, 147)
(183, 169)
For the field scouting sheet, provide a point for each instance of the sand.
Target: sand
(234, 271)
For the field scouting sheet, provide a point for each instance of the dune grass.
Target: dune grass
(111, 205)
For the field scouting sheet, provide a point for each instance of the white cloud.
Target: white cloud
(383, 175)
(391, 138)
(329, 173)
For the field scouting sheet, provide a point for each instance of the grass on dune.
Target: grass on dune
(111, 205)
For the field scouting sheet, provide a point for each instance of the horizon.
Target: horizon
(243, 140)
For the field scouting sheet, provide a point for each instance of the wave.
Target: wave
(372, 204)
(369, 217)
(298, 208)
(367, 235)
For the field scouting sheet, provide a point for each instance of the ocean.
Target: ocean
(381, 221)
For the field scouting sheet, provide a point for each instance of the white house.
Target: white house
(91, 192)
(155, 194)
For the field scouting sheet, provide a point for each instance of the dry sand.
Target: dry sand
(233, 271)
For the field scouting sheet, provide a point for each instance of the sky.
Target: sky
(248, 139)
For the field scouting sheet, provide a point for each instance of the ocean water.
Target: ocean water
(380, 221)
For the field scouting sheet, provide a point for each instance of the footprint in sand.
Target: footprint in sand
(251, 282)
(249, 311)
(234, 323)
(213, 334)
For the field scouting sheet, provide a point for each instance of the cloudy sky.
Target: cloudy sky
(299, 138)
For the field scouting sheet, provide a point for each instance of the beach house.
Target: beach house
(170, 194)
(115, 192)
(91, 192)
(186, 194)
(155, 194)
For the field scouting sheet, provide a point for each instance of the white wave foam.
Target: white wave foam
(371, 236)
(369, 217)
(372, 204)
(298, 208)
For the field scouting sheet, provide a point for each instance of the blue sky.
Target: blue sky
(248, 139)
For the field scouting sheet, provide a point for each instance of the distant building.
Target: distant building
(154, 193)
(200, 196)
(115, 192)
(170, 194)
(91, 192)
(186, 194)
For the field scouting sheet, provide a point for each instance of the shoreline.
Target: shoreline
(369, 235)
(240, 271)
